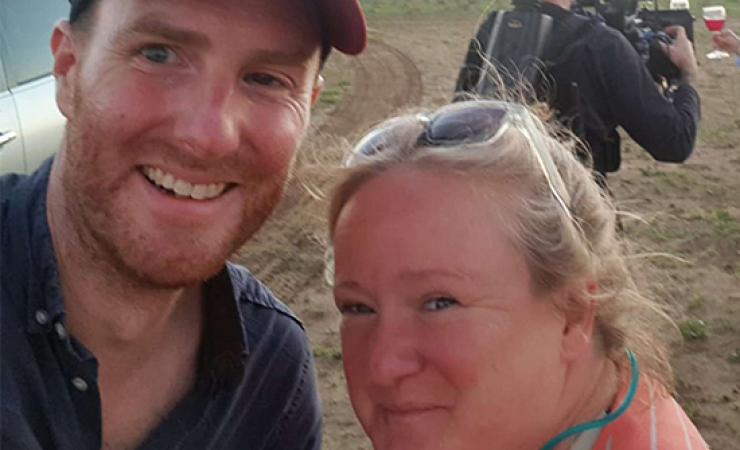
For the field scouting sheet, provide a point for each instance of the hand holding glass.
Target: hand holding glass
(714, 18)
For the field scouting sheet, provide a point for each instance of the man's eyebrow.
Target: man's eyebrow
(284, 58)
(152, 26)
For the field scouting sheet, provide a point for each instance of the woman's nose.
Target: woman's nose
(394, 353)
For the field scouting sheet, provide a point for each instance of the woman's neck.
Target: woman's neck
(595, 386)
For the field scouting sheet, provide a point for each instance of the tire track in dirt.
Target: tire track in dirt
(287, 254)
(386, 80)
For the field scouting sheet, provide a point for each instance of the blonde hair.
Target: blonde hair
(574, 248)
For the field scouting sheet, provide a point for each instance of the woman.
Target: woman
(485, 299)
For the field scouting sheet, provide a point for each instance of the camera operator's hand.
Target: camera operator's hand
(728, 41)
(681, 52)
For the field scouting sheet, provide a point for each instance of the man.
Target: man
(600, 83)
(122, 324)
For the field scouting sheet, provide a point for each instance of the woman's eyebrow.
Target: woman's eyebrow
(431, 272)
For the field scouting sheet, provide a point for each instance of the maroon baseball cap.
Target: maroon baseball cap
(342, 21)
(343, 24)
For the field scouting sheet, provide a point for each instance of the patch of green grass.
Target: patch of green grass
(334, 353)
(673, 179)
(725, 222)
(725, 225)
(720, 223)
(663, 232)
(693, 329)
(696, 303)
(333, 95)
(723, 135)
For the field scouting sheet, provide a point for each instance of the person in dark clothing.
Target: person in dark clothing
(122, 324)
(612, 87)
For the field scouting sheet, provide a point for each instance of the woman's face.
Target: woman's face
(445, 344)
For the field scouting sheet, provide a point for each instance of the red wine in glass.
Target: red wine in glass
(715, 25)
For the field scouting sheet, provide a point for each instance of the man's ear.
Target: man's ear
(578, 331)
(318, 86)
(65, 66)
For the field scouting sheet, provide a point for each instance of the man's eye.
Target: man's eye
(265, 79)
(158, 54)
(440, 303)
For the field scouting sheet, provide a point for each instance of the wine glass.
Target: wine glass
(714, 19)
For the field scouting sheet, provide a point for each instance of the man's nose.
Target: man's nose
(394, 352)
(209, 124)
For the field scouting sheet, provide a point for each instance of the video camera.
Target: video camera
(643, 28)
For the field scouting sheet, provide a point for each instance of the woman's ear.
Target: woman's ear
(65, 66)
(578, 331)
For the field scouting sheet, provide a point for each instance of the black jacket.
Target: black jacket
(614, 89)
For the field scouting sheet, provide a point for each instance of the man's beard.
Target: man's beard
(113, 242)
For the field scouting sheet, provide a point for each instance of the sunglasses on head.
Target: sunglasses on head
(471, 122)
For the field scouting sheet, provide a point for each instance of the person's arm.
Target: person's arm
(667, 130)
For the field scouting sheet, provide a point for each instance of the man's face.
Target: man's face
(183, 121)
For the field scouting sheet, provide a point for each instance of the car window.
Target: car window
(25, 28)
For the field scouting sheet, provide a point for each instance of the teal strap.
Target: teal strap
(609, 418)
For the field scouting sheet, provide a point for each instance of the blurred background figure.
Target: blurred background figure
(598, 66)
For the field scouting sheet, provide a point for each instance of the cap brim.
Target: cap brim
(344, 25)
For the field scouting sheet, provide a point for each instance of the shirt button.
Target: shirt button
(42, 318)
(79, 384)
(61, 332)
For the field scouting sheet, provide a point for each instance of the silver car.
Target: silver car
(31, 126)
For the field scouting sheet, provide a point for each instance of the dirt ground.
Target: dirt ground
(689, 211)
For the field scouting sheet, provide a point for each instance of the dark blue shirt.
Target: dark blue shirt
(255, 385)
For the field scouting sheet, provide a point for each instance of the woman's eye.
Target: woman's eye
(158, 54)
(439, 303)
(355, 309)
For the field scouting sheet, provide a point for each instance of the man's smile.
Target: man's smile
(181, 188)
